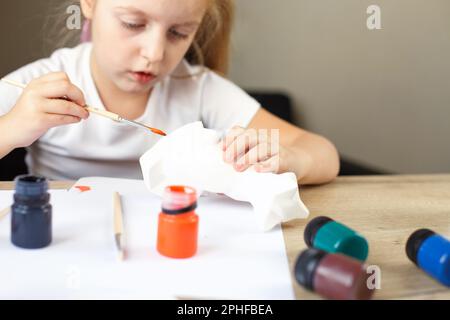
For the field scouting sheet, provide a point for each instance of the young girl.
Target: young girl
(156, 62)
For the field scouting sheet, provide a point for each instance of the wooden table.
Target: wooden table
(386, 210)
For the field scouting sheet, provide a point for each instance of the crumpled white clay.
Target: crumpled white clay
(191, 156)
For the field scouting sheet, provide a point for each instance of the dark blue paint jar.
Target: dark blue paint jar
(430, 252)
(31, 221)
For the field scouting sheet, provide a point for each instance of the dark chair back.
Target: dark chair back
(280, 105)
(13, 165)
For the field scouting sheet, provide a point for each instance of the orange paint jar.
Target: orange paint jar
(178, 223)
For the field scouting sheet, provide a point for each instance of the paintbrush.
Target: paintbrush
(100, 112)
(118, 226)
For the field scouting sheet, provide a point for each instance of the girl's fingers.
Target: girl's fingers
(258, 153)
(63, 107)
(240, 145)
(62, 88)
(53, 76)
(55, 120)
(231, 135)
(270, 165)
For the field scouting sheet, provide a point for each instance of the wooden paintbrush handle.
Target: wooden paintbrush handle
(118, 219)
(104, 113)
(4, 212)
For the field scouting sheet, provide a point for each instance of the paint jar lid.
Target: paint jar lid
(31, 191)
(311, 229)
(306, 265)
(31, 186)
(414, 242)
(178, 200)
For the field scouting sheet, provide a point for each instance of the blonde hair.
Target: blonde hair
(210, 48)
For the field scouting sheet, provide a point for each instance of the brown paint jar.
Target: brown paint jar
(333, 276)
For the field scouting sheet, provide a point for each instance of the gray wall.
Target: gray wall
(382, 96)
(29, 30)
(21, 35)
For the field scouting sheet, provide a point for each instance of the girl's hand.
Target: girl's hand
(41, 107)
(260, 148)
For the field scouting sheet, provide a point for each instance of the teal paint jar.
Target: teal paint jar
(328, 235)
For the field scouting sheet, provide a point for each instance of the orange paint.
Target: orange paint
(157, 131)
(178, 223)
(83, 188)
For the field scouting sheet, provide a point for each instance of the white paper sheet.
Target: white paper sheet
(234, 261)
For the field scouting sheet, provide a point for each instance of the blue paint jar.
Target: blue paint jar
(430, 252)
(31, 221)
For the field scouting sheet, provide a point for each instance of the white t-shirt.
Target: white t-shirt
(102, 147)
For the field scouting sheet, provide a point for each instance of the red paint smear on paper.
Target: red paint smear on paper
(83, 188)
